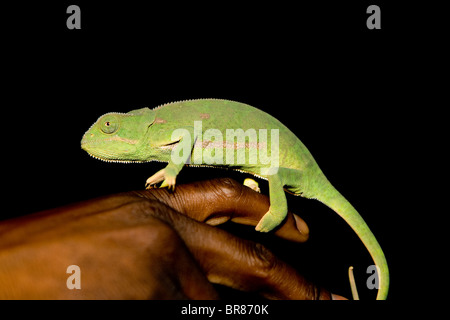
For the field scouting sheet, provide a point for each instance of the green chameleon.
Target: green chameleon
(192, 132)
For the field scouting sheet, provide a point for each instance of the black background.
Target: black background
(316, 67)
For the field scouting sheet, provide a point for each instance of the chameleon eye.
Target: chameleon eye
(109, 124)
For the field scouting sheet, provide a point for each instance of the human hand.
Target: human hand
(150, 244)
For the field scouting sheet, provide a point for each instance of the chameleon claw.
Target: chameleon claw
(149, 185)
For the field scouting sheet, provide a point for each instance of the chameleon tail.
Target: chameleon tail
(333, 199)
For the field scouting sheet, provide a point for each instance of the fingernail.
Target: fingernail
(337, 297)
(301, 225)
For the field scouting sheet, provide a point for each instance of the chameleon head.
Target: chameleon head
(115, 137)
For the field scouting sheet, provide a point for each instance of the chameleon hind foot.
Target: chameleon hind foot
(278, 205)
(269, 222)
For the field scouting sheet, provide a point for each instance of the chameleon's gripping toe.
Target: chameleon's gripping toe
(252, 184)
(169, 182)
(154, 179)
(269, 222)
(166, 175)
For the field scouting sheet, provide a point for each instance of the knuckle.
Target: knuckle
(312, 292)
(160, 232)
(151, 209)
(153, 239)
(145, 233)
(264, 261)
(229, 188)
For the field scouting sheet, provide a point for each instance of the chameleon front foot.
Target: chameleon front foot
(154, 179)
(166, 176)
(252, 184)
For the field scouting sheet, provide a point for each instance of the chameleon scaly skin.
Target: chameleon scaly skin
(147, 135)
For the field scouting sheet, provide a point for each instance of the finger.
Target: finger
(25, 227)
(237, 263)
(219, 200)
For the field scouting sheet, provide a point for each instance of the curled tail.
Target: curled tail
(328, 195)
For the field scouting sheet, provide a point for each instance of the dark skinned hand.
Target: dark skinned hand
(151, 244)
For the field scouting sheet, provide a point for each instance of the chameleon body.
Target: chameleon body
(157, 134)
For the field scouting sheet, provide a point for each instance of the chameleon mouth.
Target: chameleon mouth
(104, 156)
(116, 160)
